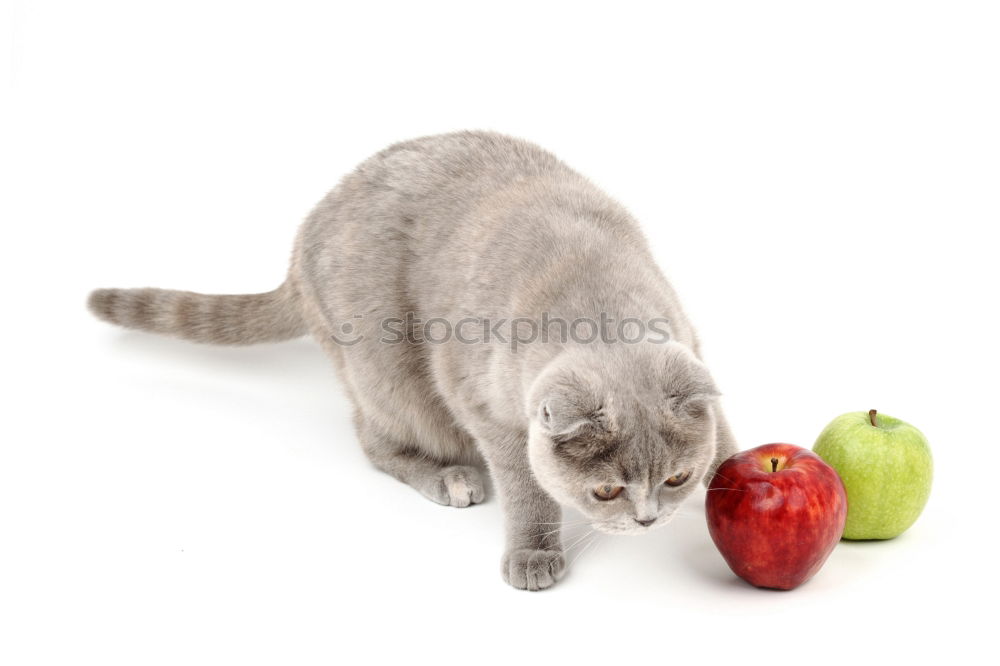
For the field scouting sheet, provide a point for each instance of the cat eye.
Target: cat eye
(678, 479)
(607, 492)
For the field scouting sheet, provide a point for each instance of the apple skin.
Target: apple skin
(887, 470)
(776, 528)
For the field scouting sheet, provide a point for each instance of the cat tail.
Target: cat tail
(243, 319)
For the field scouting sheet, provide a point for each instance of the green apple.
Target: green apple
(886, 467)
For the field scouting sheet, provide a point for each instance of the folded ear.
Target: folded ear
(569, 405)
(563, 420)
(688, 386)
(693, 406)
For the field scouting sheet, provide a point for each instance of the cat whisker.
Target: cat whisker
(724, 478)
(577, 541)
(584, 549)
(546, 534)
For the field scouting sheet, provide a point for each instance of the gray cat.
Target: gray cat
(456, 281)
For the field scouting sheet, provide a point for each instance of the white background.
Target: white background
(819, 182)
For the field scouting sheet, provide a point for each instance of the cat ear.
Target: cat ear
(567, 402)
(692, 405)
(569, 410)
(689, 388)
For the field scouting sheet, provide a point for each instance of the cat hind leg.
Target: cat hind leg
(440, 482)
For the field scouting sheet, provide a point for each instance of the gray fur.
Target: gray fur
(242, 319)
(476, 224)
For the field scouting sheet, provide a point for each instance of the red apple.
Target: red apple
(775, 513)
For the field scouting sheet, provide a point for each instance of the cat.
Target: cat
(424, 275)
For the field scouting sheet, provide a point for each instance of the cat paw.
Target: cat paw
(458, 486)
(528, 569)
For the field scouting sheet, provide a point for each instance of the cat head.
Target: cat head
(622, 433)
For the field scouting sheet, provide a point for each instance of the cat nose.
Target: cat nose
(647, 522)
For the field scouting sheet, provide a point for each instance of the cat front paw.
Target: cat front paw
(529, 569)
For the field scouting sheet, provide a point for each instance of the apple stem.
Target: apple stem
(774, 464)
(872, 413)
